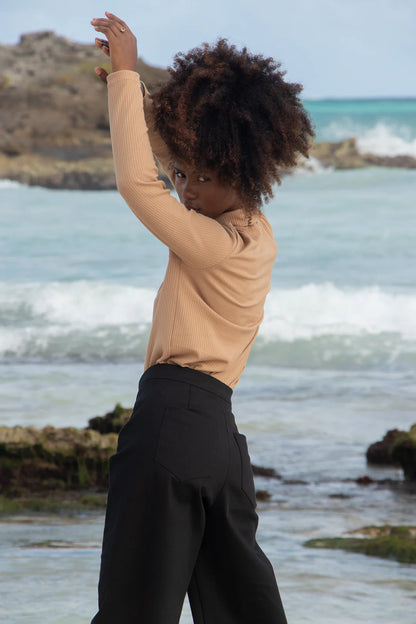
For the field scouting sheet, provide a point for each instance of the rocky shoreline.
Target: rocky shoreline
(61, 460)
(65, 470)
(54, 121)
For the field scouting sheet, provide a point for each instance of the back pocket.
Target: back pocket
(189, 444)
(247, 481)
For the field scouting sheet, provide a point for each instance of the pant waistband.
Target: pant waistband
(175, 372)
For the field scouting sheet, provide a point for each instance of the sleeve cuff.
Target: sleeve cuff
(121, 75)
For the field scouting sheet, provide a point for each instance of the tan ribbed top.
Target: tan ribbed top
(210, 305)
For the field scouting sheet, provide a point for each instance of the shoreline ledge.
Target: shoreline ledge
(59, 168)
(63, 470)
(386, 542)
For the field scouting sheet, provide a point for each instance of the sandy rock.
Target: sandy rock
(345, 155)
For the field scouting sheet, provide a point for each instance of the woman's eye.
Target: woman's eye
(179, 174)
(203, 179)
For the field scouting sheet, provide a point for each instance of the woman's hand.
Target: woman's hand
(120, 45)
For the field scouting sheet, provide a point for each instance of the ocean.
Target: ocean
(333, 368)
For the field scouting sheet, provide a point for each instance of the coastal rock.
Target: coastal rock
(261, 471)
(387, 542)
(397, 447)
(58, 462)
(346, 155)
(112, 422)
(404, 453)
(380, 452)
(34, 170)
(53, 459)
(53, 113)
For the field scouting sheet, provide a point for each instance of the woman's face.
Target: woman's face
(203, 192)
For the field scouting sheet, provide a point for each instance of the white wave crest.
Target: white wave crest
(323, 309)
(77, 305)
(382, 138)
(385, 140)
(8, 184)
(105, 321)
(311, 165)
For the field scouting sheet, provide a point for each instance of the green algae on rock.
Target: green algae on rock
(387, 542)
(53, 503)
(36, 460)
(112, 422)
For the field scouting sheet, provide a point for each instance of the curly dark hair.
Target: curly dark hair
(232, 112)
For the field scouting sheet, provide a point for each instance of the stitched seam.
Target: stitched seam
(191, 384)
(242, 471)
(228, 464)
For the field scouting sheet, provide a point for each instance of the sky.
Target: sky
(335, 48)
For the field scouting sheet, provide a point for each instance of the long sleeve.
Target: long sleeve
(159, 147)
(196, 239)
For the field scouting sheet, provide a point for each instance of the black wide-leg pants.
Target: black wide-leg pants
(181, 512)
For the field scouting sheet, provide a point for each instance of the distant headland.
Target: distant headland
(54, 123)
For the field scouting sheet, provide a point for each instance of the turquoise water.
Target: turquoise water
(383, 126)
(333, 368)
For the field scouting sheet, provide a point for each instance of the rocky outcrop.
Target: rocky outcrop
(87, 174)
(387, 542)
(346, 155)
(54, 128)
(397, 447)
(404, 453)
(380, 452)
(112, 422)
(62, 461)
(36, 460)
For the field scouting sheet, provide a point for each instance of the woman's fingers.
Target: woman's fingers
(117, 20)
(103, 45)
(105, 26)
(121, 46)
(101, 73)
(111, 23)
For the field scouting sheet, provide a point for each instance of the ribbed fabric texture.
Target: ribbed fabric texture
(210, 305)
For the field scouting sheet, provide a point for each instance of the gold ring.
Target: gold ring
(122, 29)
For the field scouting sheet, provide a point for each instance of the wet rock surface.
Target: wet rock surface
(387, 542)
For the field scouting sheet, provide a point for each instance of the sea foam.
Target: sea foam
(385, 140)
(106, 321)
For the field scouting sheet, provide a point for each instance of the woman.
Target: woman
(181, 507)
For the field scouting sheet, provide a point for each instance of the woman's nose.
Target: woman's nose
(189, 190)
